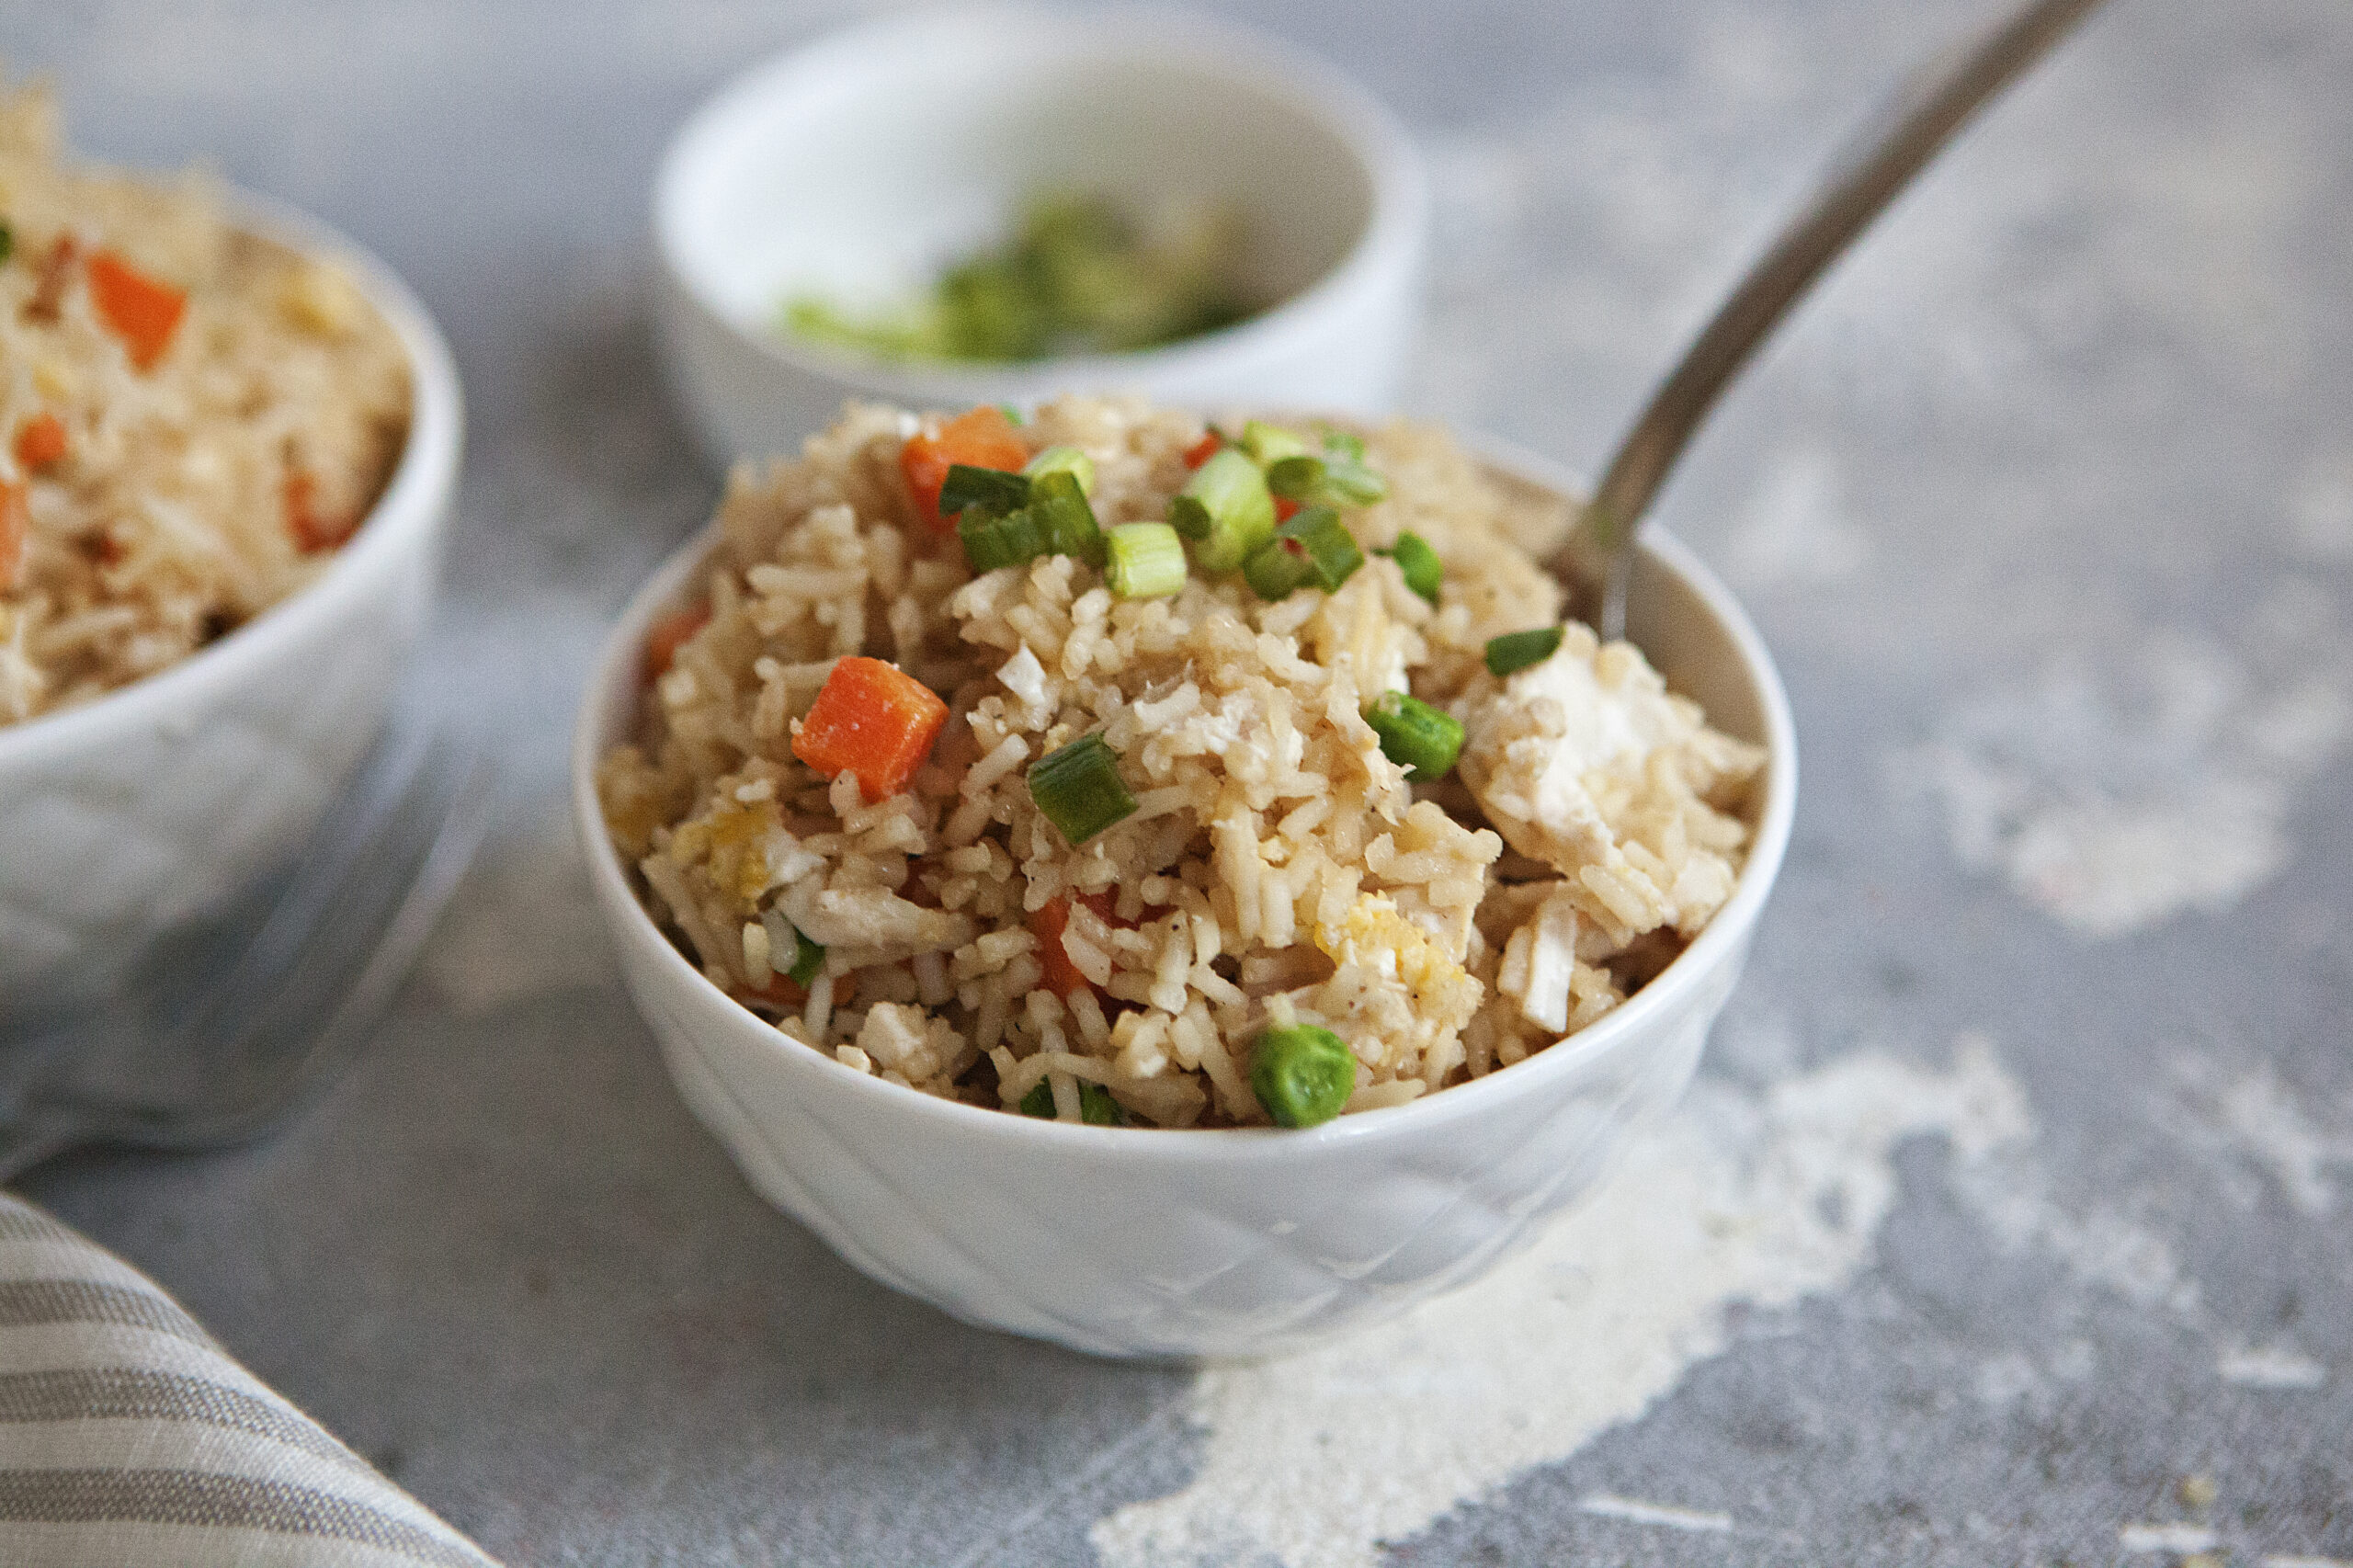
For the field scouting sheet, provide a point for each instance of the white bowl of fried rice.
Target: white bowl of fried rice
(230, 440)
(924, 1094)
(851, 170)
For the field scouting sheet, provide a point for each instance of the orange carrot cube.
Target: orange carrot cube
(138, 309)
(40, 441)
(1049, 921)
(981, 437)
(872, 720)
(1047, 924)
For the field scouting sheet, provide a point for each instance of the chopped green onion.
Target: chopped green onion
(1421, 739)
(1095, 1106)
(1278, 570)
(1301, 1074)
(7, 242)
(808, 958)
(1225, 508)
(1058, 501)
(1517, 650)
(1012, 415)
(1419, 563)
(1009, 540)
(1079, 790)
(1295, 478)
(1062, 460)
(1312, 550)
(993, 491)
(1147, 561)
(1333, 480)
(1351, 447)
(1056, 521)
(1354, 481)
(1269, 444)
(1081, 273)
(791, 953)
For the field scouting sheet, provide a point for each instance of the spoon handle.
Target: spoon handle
(1934, 103)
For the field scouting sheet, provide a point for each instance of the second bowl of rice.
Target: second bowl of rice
(1509, 980)
(231, 441)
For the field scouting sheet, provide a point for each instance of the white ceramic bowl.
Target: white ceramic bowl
(1131, 1242)
(153, 805)
(855, 166)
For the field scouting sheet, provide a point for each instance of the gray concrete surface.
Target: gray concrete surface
(2008, 1223)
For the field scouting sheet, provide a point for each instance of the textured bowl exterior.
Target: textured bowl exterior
(1342, 345)
(126, 817)
(1223, 1242)
(1097, 1245)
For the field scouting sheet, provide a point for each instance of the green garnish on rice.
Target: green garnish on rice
(1314, 550)
(1419, 563)
(1516, 651)
(1079, 790)
(1421, 739)
(1095, 1106)
(1225, 510)
(1147, 562)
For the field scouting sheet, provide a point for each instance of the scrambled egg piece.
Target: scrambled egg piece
(1376, 937)
(1588, 763)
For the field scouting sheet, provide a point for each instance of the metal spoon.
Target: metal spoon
(1932, 105)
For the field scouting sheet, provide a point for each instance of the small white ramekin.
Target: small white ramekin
(155, 804)
(856, 166)
(1131, 1242)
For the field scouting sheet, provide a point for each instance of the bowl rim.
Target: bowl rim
(1624, 1026)
(411, 506)
(1392, 234)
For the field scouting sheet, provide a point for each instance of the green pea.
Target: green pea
(1301, 1074)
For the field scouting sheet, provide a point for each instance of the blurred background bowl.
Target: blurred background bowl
(128, 817)
(856, 167)
(1237, 1241)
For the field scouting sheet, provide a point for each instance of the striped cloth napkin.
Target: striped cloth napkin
(126, 1435)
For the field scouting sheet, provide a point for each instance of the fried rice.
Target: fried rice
(1278, 868)
(192, 419)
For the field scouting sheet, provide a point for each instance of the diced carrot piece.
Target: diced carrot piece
(872, 720)
(295, 491)
(142, 311)
(783, 991)
(1285, 509)
(313, 532)
(1203, 450)
(16, 524)
(40, 441)
(1047, 924)
(669, 634)
(980, 437)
